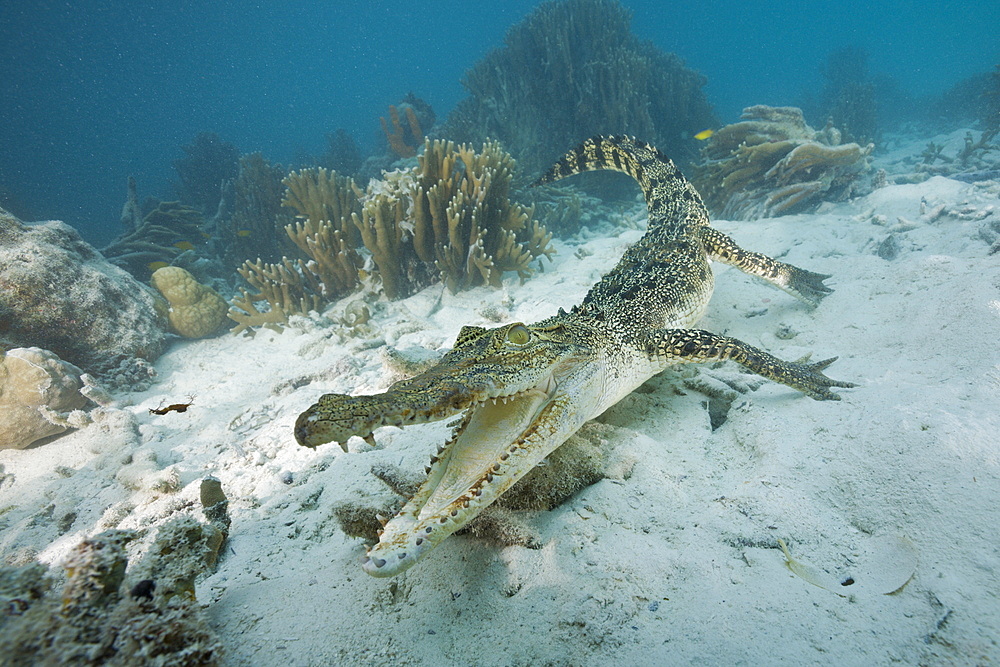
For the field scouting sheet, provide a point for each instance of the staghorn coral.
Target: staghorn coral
(196, 310)
(449, 219)
(326, 235)
(572, 69)
(772, 163)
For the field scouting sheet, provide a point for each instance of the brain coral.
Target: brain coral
(196, 310)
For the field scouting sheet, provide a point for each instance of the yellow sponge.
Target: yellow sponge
(196, 310)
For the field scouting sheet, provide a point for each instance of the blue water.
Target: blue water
(92, 92)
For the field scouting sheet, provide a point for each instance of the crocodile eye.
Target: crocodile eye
(518, 335)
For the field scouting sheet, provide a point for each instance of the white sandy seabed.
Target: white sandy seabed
(676, 563)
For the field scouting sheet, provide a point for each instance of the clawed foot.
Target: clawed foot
(809, 379)
(807, 285)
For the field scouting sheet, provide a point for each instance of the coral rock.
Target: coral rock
(31, 381)
(771, 163)
(196, 310)
(58, 293)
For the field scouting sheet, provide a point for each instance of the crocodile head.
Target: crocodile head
(519, 387)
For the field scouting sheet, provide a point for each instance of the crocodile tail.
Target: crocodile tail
(661, 181)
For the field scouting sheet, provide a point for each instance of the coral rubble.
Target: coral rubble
(109, 614)
(58, 293)
(772, 163)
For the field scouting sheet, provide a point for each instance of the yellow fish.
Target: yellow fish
(704, 134)
(184, 245)
(243, 233)
(153, 266)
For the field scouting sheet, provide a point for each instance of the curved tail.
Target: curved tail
(664, 186)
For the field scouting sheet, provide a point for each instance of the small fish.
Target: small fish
(243, 233)
(205, 236)
(704, 134)
(184, 245)
(153, 266)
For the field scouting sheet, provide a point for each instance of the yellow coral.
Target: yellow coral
(196, 310)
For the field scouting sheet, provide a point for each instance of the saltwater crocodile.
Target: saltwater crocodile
(526, 388)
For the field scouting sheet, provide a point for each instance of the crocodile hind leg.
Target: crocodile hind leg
(672, 346)
(802, 284)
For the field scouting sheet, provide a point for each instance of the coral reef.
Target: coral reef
(196, 310)
(58, 293)
(256, 227)
(163, 235)
(35, 383)
(342, 153)
(326, 235)
(464, 221)
(848, 96)
(407, 125)
(572, 69)
(108, 614)
(772, 163)
(449, 219)
(208, 162)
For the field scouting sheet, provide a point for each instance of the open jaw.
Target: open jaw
(499, 440)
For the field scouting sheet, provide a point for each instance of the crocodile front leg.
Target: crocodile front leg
(802, 284)
(672, 346)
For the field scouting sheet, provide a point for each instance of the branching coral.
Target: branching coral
(450, 218)
(463, 220)
(772, 163)
(326, 235)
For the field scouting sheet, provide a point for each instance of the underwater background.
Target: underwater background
(94, 92)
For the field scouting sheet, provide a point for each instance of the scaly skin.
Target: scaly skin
(525, 389)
